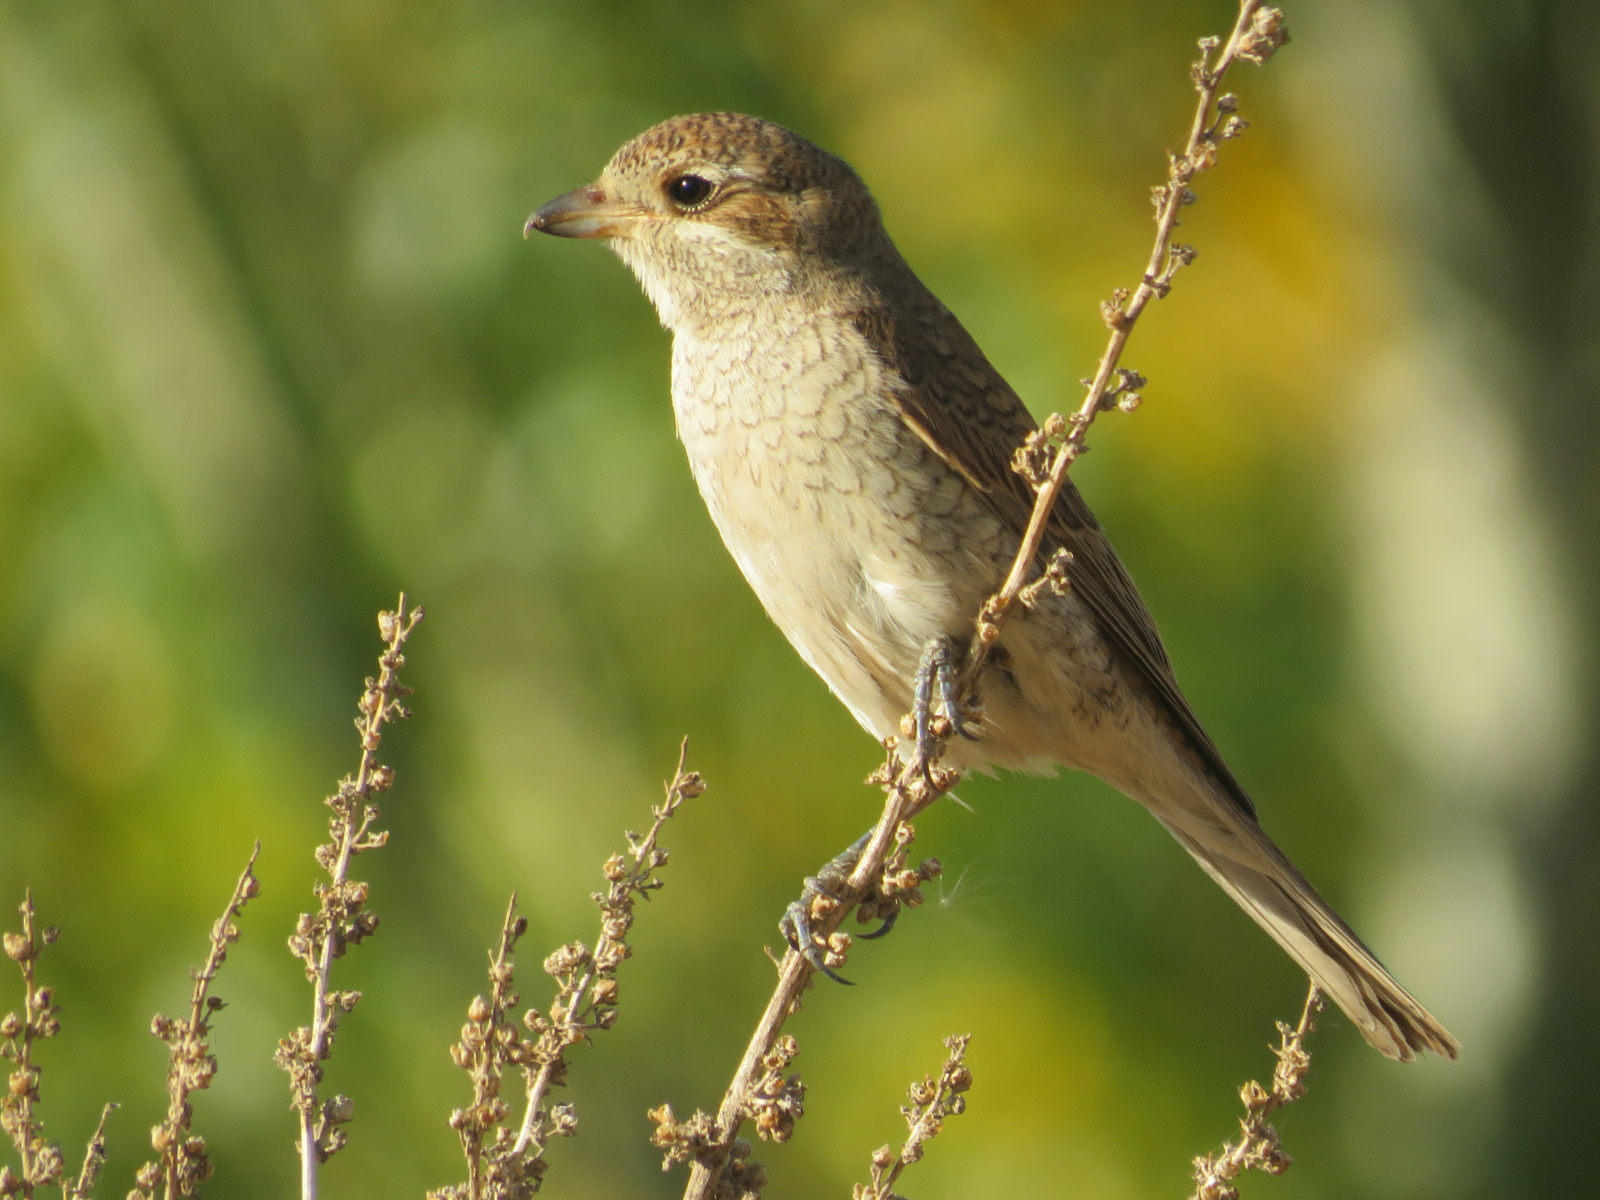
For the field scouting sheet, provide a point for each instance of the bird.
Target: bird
(854, 448)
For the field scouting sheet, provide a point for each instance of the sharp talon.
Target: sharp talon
(881, 930)
(796, 930)
(963, 725)
(816, 961)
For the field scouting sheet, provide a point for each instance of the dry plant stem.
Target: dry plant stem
(94, 1160)
(910, 790)
(343, 920)
(932, 1100)
(1258, 1147)
(501, 999)
(1256, 34)
(182, 1163)
(580, 1008)
(489, 1044)
(913, 786)
(41, 1161)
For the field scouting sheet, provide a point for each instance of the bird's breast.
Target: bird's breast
(860, 542)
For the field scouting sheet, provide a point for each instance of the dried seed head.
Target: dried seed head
(563, 1121)
(1267, 34)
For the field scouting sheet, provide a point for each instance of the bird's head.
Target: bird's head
(716, 211)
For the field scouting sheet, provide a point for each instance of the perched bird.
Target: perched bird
(854, 448)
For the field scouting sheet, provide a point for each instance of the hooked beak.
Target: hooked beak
(585, 212)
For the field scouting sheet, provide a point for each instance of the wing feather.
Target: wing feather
(952, 397)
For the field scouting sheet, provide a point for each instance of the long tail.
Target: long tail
(1273, 891)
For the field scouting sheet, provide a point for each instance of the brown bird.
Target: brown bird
(854, 448)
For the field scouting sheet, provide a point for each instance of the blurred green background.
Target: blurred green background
(271, 350)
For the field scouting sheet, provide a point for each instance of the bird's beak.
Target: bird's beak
(583, 213)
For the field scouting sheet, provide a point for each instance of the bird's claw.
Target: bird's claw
(882, 930)
(796, 930)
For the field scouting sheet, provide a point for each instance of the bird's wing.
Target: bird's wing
(955, 400)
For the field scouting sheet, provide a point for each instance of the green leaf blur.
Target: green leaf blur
(271, 350)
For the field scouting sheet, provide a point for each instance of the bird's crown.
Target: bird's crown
(783, 160)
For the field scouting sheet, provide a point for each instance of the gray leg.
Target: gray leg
(936, 672)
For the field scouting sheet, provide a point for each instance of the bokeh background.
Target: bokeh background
(271, 350)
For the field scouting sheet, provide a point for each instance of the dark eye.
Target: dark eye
(688, 190)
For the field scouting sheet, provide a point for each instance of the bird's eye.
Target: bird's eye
(686, 191)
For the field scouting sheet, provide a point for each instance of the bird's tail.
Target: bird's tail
(1272, 890)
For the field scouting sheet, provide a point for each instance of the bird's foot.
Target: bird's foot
(898, 885)
(819, 895)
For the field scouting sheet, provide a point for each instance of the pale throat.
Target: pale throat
(707, 278)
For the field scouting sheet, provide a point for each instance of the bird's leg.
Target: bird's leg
(936, 672)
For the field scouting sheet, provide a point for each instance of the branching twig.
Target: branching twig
(489, 1044)
(587, 995)
(182, 1163)
(719, 1159)
(713, 1147)
(932, 1100)
(94, 1160)
(42, 1164)
(510, 1165)
(342, 919)
(1049, 453)
(1258, 1147)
